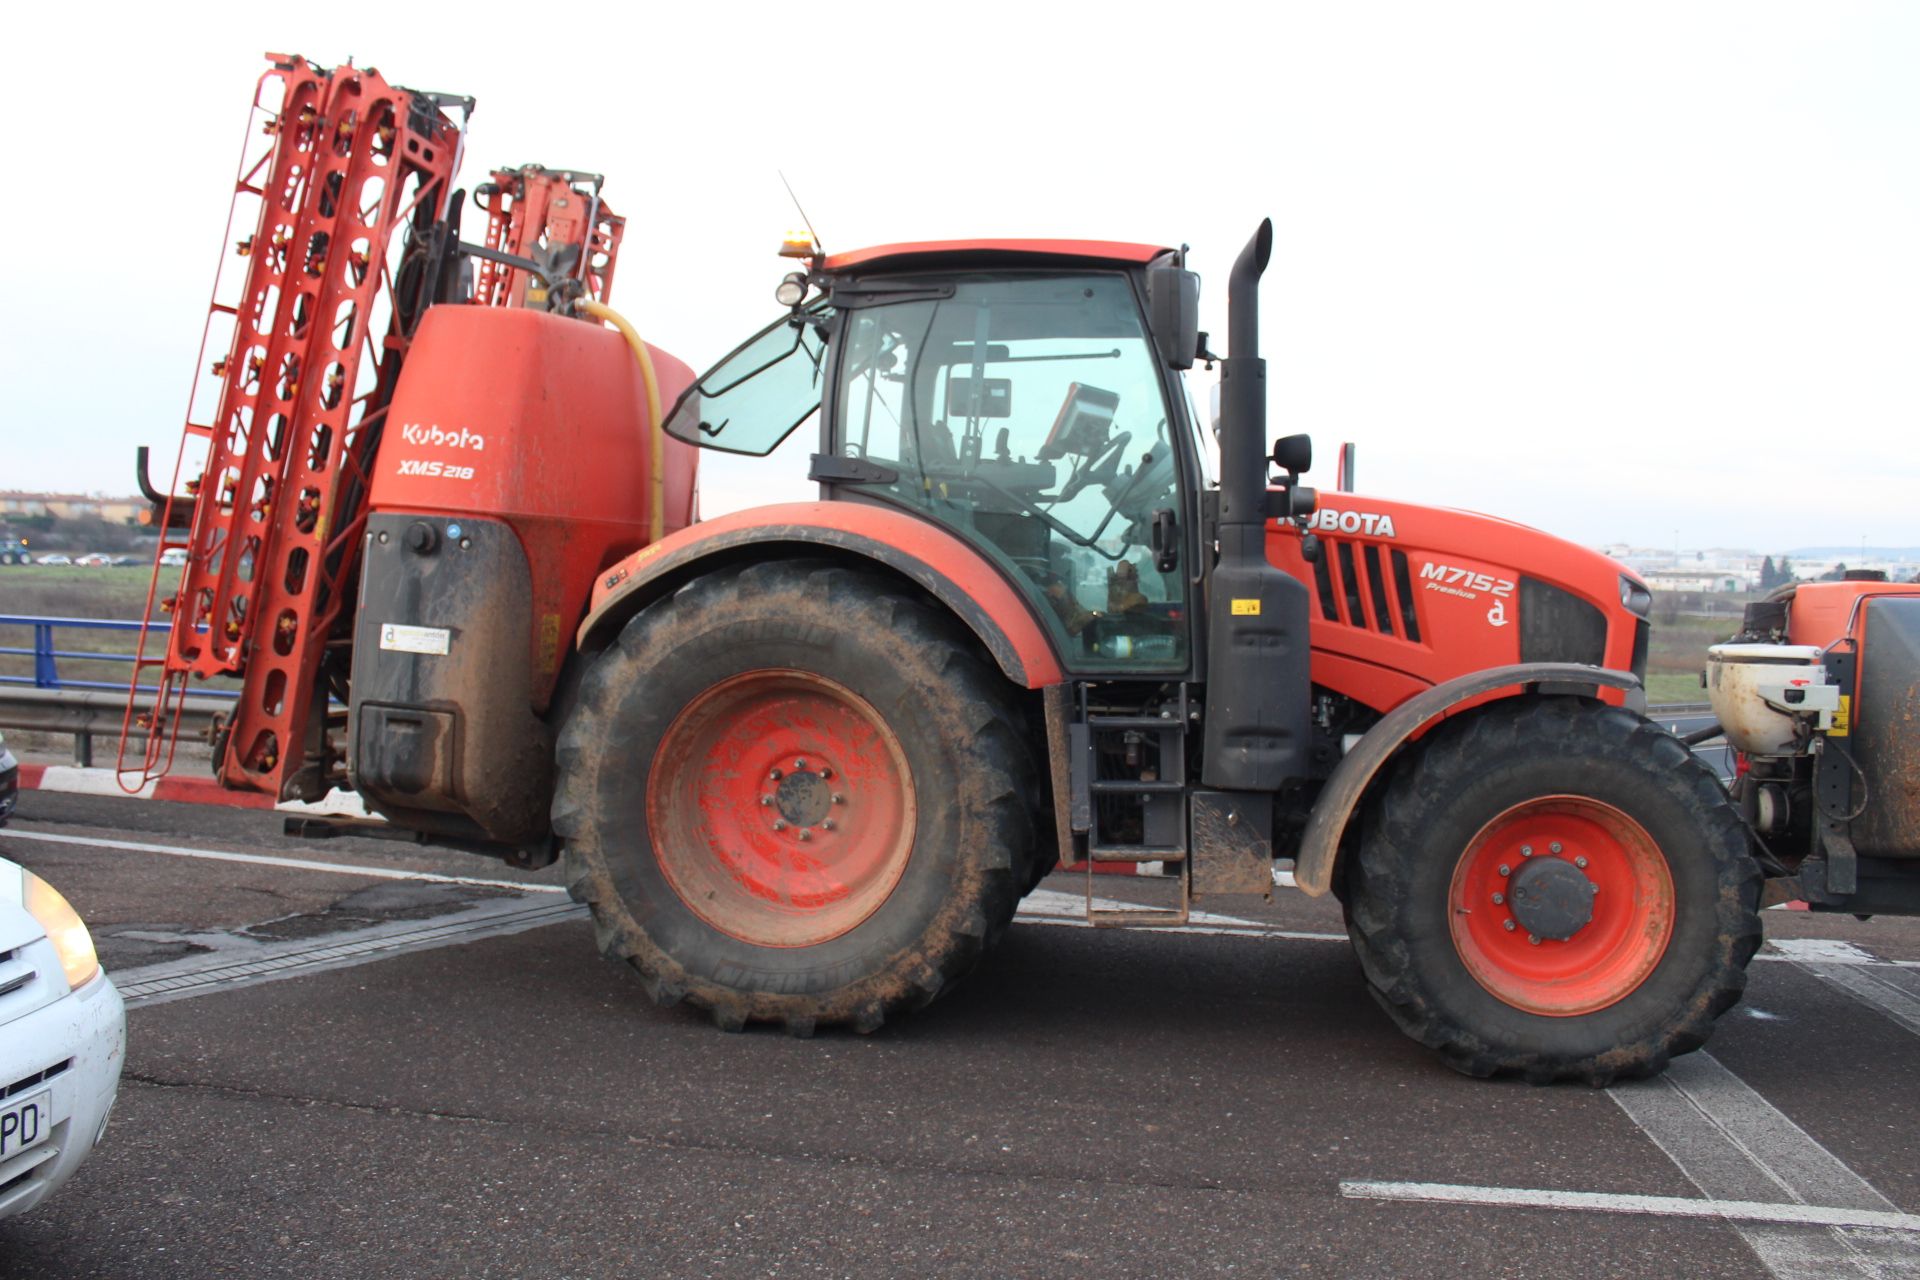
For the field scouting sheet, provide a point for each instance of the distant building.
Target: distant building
(71, 506)
(1694, 580)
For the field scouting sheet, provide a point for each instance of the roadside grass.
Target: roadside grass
(1677, 652)
(1665, 688)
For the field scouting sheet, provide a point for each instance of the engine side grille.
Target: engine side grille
(1558, 626)
(1358, 589)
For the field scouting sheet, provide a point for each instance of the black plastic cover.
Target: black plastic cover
(1558, 626)
(1886, 730)
(446, 741)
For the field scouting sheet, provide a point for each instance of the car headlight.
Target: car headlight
(65, 929)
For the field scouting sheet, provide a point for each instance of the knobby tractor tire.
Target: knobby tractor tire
(1659, 849)
(792, 793)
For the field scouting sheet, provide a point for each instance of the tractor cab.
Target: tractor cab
(1013, 392)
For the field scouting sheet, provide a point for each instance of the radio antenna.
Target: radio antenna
(818, 247)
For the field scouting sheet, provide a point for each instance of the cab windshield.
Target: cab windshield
(1027, 413)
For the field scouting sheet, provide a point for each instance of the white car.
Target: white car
(54, 558)
(63, 1038)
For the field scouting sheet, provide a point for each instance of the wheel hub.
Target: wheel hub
(780, 808)
(1561, 905)
(803, 798)
(1551, 898)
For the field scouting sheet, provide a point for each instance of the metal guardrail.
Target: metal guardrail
(49, 702)
(46, 654)
(86, 712)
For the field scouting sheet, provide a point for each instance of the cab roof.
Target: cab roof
(975, 253)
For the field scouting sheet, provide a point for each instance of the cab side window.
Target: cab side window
(1027, 413)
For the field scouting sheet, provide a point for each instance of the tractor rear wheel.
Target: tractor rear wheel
(792, 793)
(1555, 889)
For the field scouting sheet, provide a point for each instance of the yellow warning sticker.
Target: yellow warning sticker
(1843, 718)
(1247, 608)
(549, 642)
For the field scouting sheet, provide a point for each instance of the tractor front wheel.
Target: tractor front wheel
(1556, 889)
(793, 793)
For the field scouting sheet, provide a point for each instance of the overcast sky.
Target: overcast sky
(1644, 272)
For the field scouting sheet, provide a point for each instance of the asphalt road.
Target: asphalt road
(341, 1072)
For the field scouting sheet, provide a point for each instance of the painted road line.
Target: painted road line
(1211, 931)
(267, 860)
(1736, 1146)
(271, 961)
(1803, 949)
(1862, 983)
(1609, 1202)
(1884, 986)
(1051, 906)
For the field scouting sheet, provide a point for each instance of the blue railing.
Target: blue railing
(46, 656)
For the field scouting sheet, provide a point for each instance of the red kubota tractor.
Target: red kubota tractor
(803, 760)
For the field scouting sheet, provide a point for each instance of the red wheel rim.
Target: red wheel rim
(1605, 959)
(781, 808)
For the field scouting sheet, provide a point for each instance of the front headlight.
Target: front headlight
(1637, 599)
(65, 929)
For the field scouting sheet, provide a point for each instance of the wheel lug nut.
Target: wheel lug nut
(765, 801)
(779, 825)
(774, 774)
(1526, 851)
(1554, 847)
(825, 772)
(1534, 938)
(1509, 926)
(1499, 898)
(1505, 870)
(799, 764)
(1580, 862)
(838, 798)
(805, 834)
(827, 825)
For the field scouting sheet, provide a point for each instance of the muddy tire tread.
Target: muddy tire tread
(993, 747)
(1419, 787)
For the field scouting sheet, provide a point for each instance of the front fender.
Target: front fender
(1320, 844)
(956, 574)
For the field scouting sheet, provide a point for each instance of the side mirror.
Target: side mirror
(1173, 312)
(1293, 454)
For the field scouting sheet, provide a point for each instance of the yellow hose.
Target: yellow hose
(656, 434)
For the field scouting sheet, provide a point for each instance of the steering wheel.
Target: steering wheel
(1100, 466)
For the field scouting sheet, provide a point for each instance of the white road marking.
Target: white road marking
(1214, 931)
(1887, 988)
(1888, 997)
(91, 782)
(1609, 1202)
(265, 860)
(1736, 1146)
(244, 963)
(1829, 949)
(1050, 906)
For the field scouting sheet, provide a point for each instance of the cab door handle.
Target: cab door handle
(1166, 541)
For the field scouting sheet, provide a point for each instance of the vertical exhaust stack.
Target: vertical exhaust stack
(1258, 681)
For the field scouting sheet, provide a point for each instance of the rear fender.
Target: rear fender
(957, 575)
(1320, 844)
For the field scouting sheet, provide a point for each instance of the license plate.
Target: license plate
(25, 1123)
